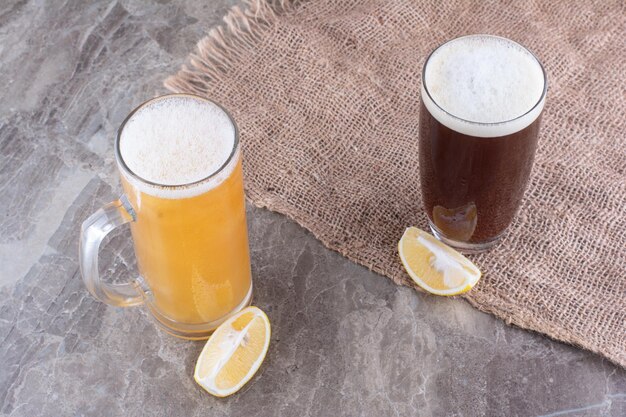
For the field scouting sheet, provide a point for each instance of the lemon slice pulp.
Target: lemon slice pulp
(234, 352)
(434, 266)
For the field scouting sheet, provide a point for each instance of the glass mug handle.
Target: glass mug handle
(92, 232)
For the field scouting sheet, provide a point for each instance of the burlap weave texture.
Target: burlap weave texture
(326, 95)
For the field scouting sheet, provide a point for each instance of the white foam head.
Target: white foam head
(176, 141)
(483, 85)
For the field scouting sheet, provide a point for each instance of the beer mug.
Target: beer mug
(179, 160)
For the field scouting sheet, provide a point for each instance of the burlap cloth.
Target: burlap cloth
(326, 94)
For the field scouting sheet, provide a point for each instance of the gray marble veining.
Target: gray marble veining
(345, 340)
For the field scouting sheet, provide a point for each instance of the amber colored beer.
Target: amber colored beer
(181, 170)
(193, 252)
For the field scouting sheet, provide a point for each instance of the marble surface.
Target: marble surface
(345, 340)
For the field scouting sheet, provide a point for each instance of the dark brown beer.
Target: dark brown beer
(472, 186)
(475, 167)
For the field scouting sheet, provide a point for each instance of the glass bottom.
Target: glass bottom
(464, 247)
(198, 331)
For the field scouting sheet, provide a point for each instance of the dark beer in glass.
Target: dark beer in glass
(481, 103)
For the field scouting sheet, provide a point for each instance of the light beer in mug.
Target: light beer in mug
(180, 163)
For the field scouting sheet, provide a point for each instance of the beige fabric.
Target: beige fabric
(326, 95)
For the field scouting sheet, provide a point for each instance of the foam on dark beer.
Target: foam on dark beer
(483, 86)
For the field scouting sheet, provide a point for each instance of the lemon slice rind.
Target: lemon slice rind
(437, 248)
(224, 332)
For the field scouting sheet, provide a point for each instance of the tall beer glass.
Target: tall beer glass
(179, 160)
(482, 99)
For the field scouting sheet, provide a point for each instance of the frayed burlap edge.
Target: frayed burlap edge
(220, 51)
(224, 45)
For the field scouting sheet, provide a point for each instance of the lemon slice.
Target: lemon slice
(234, 352)
(435, 266)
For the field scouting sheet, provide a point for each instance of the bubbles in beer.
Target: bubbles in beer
(176, 141)
(483, 79)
